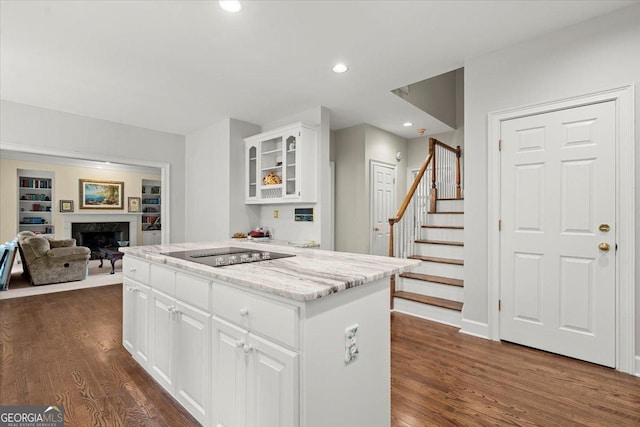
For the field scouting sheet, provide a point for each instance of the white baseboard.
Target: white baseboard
(477, 329)
(637, 371)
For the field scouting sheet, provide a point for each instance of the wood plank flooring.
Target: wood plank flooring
(440, 377)
(65, 349)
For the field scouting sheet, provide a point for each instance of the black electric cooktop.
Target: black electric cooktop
(219, 257)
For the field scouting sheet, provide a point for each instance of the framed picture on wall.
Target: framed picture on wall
(99, 194)
(66, 206)
(134, 204)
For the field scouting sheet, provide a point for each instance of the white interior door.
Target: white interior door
(557, 277)
(383, 196)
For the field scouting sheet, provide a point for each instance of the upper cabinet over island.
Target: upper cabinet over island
(280, 165)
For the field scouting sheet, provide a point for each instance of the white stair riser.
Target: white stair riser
(445, 219)
(450, 205)
(440, 269)
(445, 234)
(453, 293)
(442, 251)
(430, 312)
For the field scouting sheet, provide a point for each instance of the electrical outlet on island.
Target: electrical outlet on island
(351, 350)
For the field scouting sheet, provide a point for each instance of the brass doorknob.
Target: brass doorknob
(604, 247)
(376, 228)
(604, 228)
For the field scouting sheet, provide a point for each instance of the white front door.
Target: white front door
(383, 196)
(557, 256)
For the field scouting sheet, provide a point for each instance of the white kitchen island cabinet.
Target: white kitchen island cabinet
(266, 343)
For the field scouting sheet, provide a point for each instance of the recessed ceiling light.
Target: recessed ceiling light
(339, 68)
(407, 124)
(232, 6)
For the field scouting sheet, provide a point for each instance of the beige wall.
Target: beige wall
(66, 187)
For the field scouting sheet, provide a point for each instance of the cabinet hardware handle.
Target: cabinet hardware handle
(247, 348)
(244, 312)
(239, 344)
(132, 269)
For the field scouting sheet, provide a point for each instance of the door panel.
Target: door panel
(557, 186)
(383, 184)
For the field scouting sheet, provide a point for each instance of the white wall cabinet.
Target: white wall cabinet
(280, 166)
(254, 380)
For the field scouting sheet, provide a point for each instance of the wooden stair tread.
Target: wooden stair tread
(450, 198)
(438, 259)
(440, 242)
(438, 302)
(443, 212)
(435, 279)
(452, 227)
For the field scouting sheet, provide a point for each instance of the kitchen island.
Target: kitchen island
(302, 340)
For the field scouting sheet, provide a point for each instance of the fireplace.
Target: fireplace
(96, 235)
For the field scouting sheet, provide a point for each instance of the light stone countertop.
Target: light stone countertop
(311, 274)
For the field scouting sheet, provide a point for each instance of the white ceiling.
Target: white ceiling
(179, 66)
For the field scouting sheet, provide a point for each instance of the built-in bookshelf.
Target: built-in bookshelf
(151, 211)
(35, 201)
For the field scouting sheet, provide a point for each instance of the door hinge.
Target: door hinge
(499, 305)
(616, 247)
(499, 145)
(499, 225)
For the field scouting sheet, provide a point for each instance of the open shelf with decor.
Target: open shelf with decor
(151, 212)
(35, 201)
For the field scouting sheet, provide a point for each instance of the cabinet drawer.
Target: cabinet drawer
(271, 318)
(163, 279)
(193, 290)
(135, 269)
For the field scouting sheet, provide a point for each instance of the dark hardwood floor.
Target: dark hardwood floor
(65, 349)
(440, 377)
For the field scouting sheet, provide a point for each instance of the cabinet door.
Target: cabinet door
(162, 339)
(272, 385)
(229, 373)
(141, 323)
(251, 168)
(292, 163)
(128, 316)
(192, 360)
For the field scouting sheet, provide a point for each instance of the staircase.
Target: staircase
(434, 290)
(430, 228)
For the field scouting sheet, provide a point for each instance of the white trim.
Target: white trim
(473, 328)
(625, 212)
(371, 198)
(637, 370)
(164, 171)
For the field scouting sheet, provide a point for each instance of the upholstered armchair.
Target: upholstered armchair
(46, 261)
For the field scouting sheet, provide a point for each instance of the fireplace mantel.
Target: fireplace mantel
(132, 218)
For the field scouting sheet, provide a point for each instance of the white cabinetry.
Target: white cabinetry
(255, 381)
(236, 357)
(176, 331)
(135, 312)
(152, 237)
(280, 165)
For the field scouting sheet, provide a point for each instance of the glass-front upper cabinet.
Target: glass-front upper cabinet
(281, 165)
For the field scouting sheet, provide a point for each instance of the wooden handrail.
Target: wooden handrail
(446, 147)
(431, 158)
(407, 199)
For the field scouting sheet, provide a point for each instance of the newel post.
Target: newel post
(433, 196)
